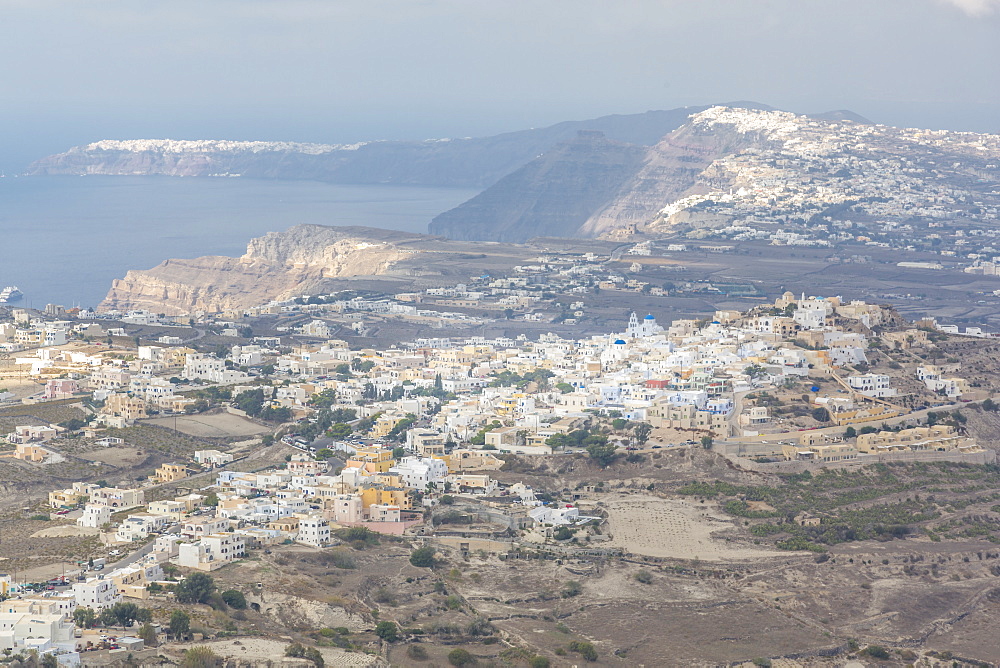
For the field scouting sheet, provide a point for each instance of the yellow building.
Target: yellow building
(386, 495)
(471, 460)
(373, 460)
(384, 424)
(124, 406)
(30, 453)
(170, 473)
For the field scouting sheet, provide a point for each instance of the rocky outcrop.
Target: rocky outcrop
(279, 265)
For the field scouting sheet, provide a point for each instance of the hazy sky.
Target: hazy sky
(74, 71)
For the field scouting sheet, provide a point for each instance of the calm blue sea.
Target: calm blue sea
(63, 239)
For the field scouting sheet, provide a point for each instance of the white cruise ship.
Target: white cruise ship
(9, 294)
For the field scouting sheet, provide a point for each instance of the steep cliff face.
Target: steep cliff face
(672, 169)
(279, 265)
(552, 195)
(590, 186)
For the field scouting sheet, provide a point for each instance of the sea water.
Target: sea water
(63, 239)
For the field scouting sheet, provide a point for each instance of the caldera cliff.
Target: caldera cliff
(277, 266)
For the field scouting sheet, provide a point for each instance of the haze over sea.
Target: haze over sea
(64, 239)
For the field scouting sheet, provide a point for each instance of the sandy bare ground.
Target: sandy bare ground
(117, 455)
(251, 648)
(674, 528)
(65, 530)
(219, 425)
(19, 387)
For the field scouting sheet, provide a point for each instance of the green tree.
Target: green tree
(251, 402)
(180, 624)
(423, 557)
(211, 500)
(340, 430)
(398, 452)
(124, 614)
(235, 599)
(850, 432)
(85, 618)
(564, 388)
(539, 661)
(387, 631)
(601, 451)
(148, 635)
(642, 432)
(706, 442)
(195, 588)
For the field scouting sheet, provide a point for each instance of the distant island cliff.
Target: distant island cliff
(465, 162)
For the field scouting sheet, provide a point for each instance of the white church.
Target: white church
(641, 328)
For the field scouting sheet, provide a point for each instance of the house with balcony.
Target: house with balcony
(211, 552)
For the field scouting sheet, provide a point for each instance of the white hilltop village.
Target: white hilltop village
(379, 436)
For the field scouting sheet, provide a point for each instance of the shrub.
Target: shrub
(644, 576)
(877, 652)
(480, 626)
(358, 537)
(539, 661)
(416, 652)
(341, 559)
(460, 657)
(571, 589)
(385, 595)
(200, 657)
(585, 649)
